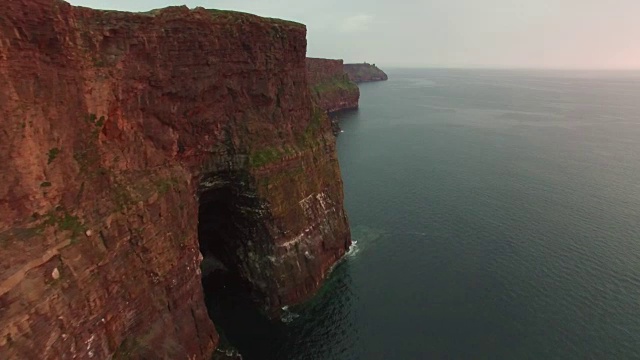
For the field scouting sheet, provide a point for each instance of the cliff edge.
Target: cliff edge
(133, 144)
(364, 72)
(330, 86)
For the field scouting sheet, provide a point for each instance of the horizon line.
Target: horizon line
(476, 67)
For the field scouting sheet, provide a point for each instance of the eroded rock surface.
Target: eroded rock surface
(116, 128)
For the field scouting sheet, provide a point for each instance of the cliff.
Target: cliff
(364, 72)
(131, 144)
(330, 86)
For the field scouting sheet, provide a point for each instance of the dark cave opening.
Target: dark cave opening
(217, 231)
(230, 303)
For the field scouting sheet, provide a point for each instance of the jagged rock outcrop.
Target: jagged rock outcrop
(364, 72)
(330, 86)
(120, 131)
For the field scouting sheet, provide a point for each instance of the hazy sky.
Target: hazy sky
(591, 34)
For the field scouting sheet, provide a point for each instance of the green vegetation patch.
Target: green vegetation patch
(64, 221)
(335, 84)
(264, 157)
(52, 155)
(97, 122)
(86, 153)
(127, 349)
(311, 134)
(121, 196)
(164, 185)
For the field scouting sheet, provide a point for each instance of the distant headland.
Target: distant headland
(364, 72)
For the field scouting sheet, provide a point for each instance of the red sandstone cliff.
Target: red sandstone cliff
(117, 128)
(330, 86)
(364, 72)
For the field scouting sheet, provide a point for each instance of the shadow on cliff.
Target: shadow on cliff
(240, 323)
(231, 304)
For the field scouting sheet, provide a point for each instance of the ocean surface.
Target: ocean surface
(496, 215)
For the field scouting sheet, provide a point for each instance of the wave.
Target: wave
(353, 249)
(288, 316)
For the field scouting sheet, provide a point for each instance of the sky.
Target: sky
(557, 34)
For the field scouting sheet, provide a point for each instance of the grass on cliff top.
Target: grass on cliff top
(246, 16)
(335, 84)
(263, 157)
(229, 14)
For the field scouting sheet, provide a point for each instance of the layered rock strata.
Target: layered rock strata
(119, 132)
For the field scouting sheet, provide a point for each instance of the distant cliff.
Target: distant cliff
(131, 143)
(330, 86)
(364, 72)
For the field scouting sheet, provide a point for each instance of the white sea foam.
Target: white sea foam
(288, 316)
(353, 249)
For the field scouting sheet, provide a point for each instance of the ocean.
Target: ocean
(496, 215)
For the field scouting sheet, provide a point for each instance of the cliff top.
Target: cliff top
(243, 15)
(315, 59)
(177, 11)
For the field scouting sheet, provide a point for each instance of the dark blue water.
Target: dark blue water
(497, 216)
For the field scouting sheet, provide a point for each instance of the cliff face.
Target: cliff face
(331, 88)
(130, 142)
(364, 72)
